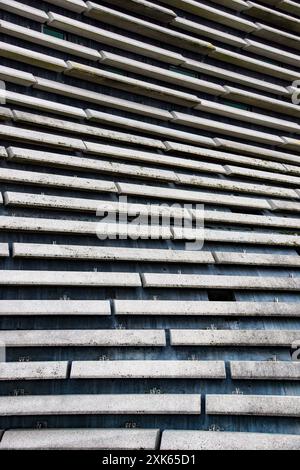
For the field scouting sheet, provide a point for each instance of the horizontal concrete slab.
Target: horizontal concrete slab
(68, 278)
(80, 439)
(100, 405)
(92, 205)
(240, 237)
(204, 308)
(105, 230)
(192, 196)
(31, 57)
(33, 370)
(289, 206)
(83, 338)
(271, 370)
(55, 181)
(54, 307)
(24, 10)
(114, 254)
(145, 8)
(209, 440)
(40, 138)
(249, 219)
(39, 104)
(258, 259)
(247, 338)
(148, 370)
(254, 405)
(220, 282)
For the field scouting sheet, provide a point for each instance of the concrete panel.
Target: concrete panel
(76, 252)
(249, 219)
(148, 370)
(33, 370)
(209, 440)
(80, 439)
(83, 338)
(236, 338)
(289, 206)
(41, 138)
(204, 308)
(31, 57)
(272, 370)
(258, 259)
(39, 104)
(236, 186)
(230, 236)
(16, 76)
(68, 278)
(40, 225)
(54, 307)
(24, 10)
(145, 8)
(220, 282)
(78, 6)
(56, 181)
(255, 405)
(100, 405)
(191, 196)
(92, 205)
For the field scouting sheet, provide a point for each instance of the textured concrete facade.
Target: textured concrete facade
(121, 327)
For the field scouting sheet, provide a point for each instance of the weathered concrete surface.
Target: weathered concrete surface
(148, 369)
(54, 307)
(203, 308)
(209, 440)
(220, 282)
(68, 278)
(254, 405)
(84, 338)
(258, 259)
(250, 338)
(24, 250)
(33, 370)
(100, 404)
(80, 439)
(272, 370)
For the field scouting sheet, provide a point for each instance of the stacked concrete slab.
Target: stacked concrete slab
(120, 326)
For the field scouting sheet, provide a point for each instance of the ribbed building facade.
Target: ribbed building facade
(127, 333)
